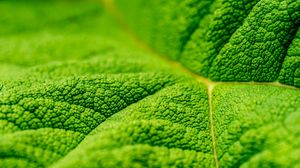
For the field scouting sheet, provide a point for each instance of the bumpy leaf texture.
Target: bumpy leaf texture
(134, 83)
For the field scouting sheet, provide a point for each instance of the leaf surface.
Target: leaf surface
(77, 91)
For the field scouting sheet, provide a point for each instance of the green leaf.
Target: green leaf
(225, 40)
(79, 89)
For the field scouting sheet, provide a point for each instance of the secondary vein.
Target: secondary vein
(210, 90)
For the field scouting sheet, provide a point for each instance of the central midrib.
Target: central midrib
(110, 6)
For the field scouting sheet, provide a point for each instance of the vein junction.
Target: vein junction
(174, 64)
